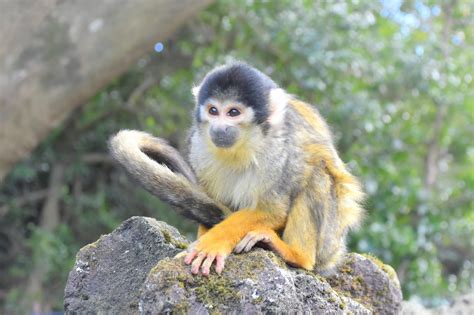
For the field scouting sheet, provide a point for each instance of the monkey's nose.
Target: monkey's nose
(220, 129)
(223, 136)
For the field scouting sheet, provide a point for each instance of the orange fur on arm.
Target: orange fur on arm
(230, 231)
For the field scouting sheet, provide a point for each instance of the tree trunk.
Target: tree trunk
(54, 55)
(49, 221)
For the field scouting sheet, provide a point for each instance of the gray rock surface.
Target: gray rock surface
(108, 273)
(461, 305)
(131, 271)
(369, 281)
(253, 283)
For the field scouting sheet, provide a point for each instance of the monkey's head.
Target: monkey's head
(236, 103)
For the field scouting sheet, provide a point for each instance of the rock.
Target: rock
(257, 282)
(147, 280)
(413, 307)
(369, 281)
(461, 305)
(107, 275)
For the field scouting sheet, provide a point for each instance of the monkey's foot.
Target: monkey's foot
(291, 255)
(252, 238)
(205, 252)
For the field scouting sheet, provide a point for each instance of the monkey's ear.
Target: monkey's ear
(195, 91)
(278, 101)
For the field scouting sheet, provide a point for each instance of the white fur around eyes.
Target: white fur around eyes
(248, 112)
(278, 100)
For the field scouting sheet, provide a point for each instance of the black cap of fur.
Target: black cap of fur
(248, 85)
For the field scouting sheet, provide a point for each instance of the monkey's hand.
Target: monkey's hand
(207, 249)
(266, 237)
(221, 239)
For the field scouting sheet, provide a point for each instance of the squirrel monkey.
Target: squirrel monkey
(264, 169)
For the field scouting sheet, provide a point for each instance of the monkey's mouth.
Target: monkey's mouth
(223, 142)
(224, 138)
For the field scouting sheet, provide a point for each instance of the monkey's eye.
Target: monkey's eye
(213, 111)
(233, 112)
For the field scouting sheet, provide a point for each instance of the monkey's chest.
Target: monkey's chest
(236, 190)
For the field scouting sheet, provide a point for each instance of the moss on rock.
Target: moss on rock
(173, 240)
(215, 290)
(386, 268)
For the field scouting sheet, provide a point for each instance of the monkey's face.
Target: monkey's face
(236, 107)
(225, 122)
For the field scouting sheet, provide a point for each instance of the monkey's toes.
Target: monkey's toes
(249, 241)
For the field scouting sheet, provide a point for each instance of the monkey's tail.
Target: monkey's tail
(163, 172)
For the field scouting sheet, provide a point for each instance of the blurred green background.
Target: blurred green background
(393, 79)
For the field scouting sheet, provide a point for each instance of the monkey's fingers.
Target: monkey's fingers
(255, 240)
(190, 256)
(206, 265)
(249, 241)
(242, 244)
(197, 263)
(220, 262)
(185, 252)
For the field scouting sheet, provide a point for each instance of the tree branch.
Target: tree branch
(433, 150)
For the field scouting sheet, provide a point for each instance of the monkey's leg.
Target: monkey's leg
(313, 223)
(312, 235)
(298, 247)
(300, 231)
(220, 240)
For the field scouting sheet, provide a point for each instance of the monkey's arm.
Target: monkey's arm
(161, 170)
(243, 229)
(220, 240)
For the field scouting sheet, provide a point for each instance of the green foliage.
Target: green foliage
(395, 84)
(396, 87)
